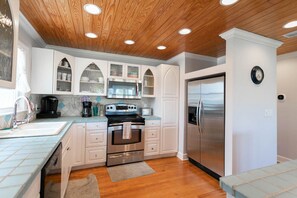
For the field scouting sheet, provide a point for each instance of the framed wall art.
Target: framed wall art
(8, 41)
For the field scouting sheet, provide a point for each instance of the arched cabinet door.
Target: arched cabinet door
(148, 81)
(170, 81)
(91, 77)
(63, 73)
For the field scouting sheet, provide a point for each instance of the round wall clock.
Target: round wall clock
(257, 75)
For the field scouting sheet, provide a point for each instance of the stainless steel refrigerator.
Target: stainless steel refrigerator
(206, 124)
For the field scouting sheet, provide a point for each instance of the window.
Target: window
(8, 96)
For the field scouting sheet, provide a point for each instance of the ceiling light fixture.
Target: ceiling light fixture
(161, 47)
(129, 42)
(91, 35)
(227, 2)
(185, 31)
(290, 24)
(92, 9)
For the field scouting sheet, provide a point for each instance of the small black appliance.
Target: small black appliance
(49, 106)
(87, 109)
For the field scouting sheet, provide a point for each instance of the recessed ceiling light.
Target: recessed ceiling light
(91, 35)
(185, 31)
(129, 42)
(161, 47)
(291, 24)
(92, 9)
(227, 2)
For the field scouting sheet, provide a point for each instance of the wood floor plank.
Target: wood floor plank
(173, 178)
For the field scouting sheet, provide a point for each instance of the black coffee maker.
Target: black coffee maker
(49, 106)
(87, 109)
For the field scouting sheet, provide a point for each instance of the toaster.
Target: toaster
(146, 111)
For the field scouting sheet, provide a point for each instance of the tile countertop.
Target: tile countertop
(278, 180)
(21, 159)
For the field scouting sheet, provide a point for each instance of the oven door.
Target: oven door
(117, 144)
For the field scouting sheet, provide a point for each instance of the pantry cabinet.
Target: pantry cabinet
(90, 77)
(167, 107)
(124, 70)
(52, 72)
(149, 82)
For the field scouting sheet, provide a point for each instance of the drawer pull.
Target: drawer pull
(68, 148)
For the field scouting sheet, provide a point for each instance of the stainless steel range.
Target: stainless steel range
(125, 139)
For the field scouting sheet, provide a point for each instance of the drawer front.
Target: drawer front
(95, 155)
(152, 133)
(152, 123)
(96, 125)
(151, 148)
(96, 139)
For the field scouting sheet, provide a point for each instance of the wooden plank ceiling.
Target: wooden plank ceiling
(156, 22)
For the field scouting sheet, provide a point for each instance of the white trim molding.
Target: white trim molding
(182, 156)
(281, 159)
(26, 25)
(251, 37)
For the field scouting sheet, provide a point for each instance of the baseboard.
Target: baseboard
(281, 159)
(182, 156)
(159, 156)
(88, 166)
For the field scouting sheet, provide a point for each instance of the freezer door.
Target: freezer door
(193, 142)
(193, 135)
(212, 124)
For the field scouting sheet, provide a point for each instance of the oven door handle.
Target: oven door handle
(121, 123)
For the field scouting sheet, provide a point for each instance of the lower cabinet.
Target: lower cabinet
(34, 190)
(79, 142)
(67, 154)
(169, 141)
(90, 141)
(152, 137)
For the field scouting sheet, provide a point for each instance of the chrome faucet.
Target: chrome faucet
(15, 122)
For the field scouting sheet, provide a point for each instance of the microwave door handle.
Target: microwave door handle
(197, 116)
(136, 88)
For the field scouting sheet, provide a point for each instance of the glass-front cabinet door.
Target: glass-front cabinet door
(148, 81)
(91, 77)
(123, 70)
(63, 73)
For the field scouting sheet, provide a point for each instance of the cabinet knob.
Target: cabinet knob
(68, 148)
(96, 155)
(96, 138)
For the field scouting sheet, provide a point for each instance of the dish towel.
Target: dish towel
(127, 134)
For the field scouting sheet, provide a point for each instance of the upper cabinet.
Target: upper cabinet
(124, 70)
(52, 72)
(90, 77)
(148, 81)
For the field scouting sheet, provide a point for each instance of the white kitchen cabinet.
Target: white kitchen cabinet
(167, 107)
(34, 189)
(67, 149)
(52, 72)
(148, 81)
(79, 142)
(90, 77)
(152, 137)
(124, 70)
(96, 141)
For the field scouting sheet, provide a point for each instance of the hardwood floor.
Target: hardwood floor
(173, 178)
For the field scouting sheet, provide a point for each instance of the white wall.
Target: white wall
(287, 109)
(196, 62)
(254, 134)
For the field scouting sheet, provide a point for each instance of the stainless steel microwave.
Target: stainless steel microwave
(124, 88)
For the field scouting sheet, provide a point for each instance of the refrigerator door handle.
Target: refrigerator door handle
(199, 116)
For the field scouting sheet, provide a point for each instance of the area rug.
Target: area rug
(79, 188)
(127, 171)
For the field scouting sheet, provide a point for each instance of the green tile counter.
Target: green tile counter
(151, 117)
(278, 180)
(21, 159)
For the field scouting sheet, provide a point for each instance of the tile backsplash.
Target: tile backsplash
(72, 106)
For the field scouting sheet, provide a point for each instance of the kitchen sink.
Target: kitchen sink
(34, 129)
